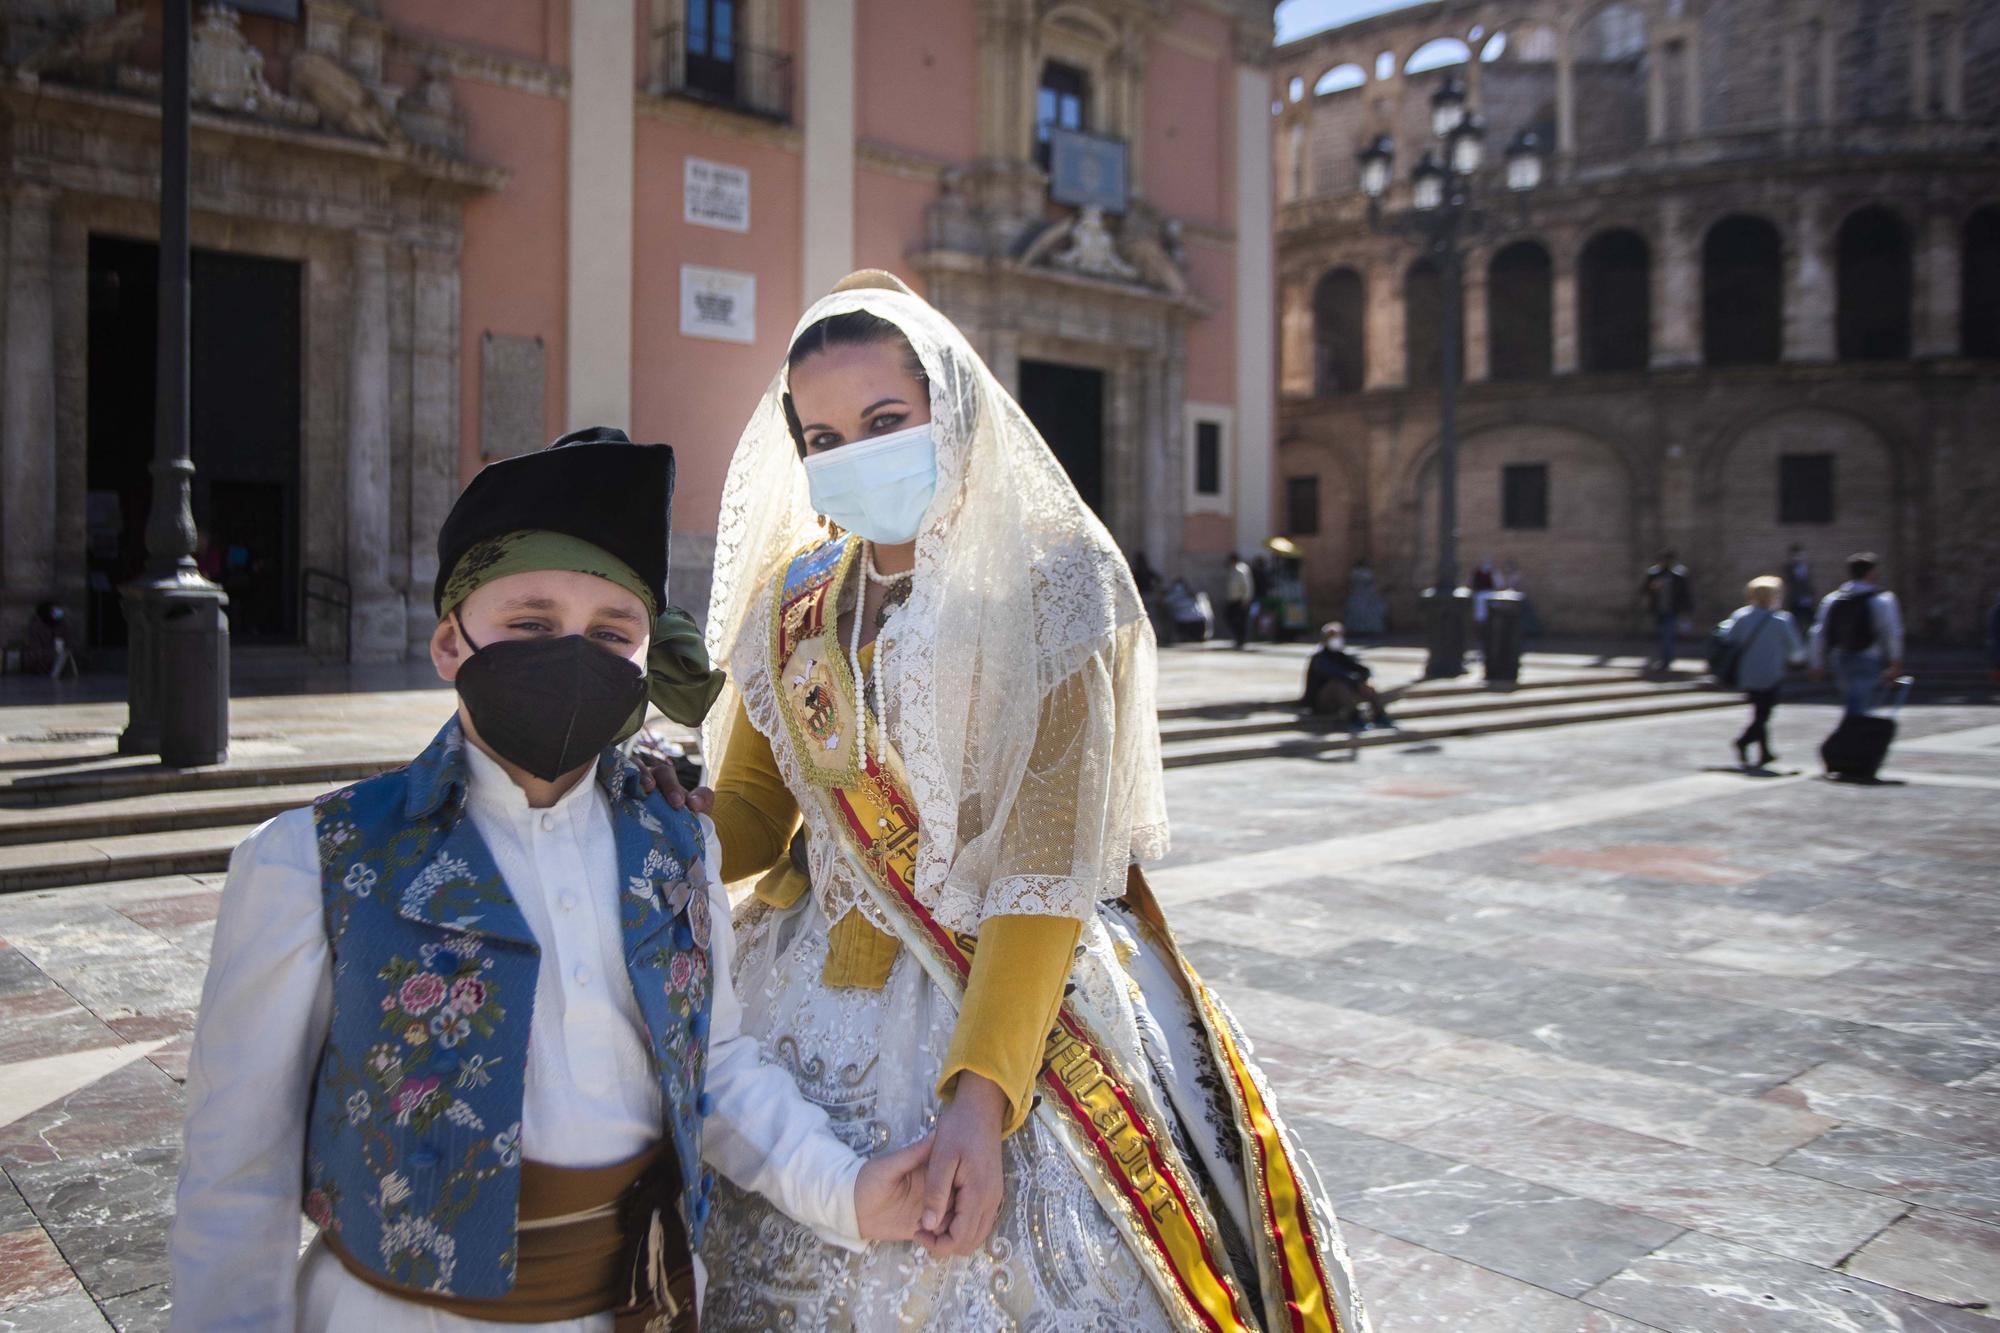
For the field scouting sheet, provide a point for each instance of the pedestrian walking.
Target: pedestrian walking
(1665, 595)
(1798, 574)
(1858, 634)
(1241, 592)
(1758, 642)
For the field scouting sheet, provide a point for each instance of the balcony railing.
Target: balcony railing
(726, 73)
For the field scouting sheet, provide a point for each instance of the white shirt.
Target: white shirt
(1885, 614)
(590, 1096)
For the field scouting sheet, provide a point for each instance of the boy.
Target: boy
(469, 1016)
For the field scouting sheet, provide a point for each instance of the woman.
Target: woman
(940, 662)
(1759, 642)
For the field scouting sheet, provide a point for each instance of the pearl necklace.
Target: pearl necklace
(872, 681)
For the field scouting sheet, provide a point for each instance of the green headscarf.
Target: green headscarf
(679, 680)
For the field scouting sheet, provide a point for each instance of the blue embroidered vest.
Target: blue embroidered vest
(413, 1145)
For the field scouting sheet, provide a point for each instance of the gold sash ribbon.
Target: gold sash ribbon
(1127, 1156)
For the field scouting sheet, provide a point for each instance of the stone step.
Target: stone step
(1301, 741)
(123, 782)
(1429, 689)
(1417, 706)
(160, 812)
(45, 865)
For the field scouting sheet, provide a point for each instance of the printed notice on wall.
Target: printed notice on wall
(718, 303)
(716, 194)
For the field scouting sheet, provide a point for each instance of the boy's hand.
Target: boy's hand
(889, 1192)
(962, 1195)
(660, 776)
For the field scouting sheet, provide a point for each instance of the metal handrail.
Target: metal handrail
(756, 80)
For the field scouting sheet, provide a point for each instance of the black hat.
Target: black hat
(592, 484)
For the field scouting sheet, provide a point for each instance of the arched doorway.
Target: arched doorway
(1339, 333)
(1873, 258)
(1614, 300)
(1519, 323)
(1742, 292)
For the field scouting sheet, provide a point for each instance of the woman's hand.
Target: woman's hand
(889, 1192)
(962, 1196)
(659, 776)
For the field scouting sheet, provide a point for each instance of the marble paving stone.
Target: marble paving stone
(18, 973)
(140, 1311)
(73, 1312)
(1410, 1289)
(63, 939)
(1555, 1240)
(1675, 862)
(178, 910)
(1703, 1283)
(47, 1021)
(1946, 1258)
(1978, 988)
(14, 1210)
(1382, 1103)
(1327, 1029)
(1938, 1175)
(1797, 1216)
(1777, 958)
(150, 985)
(31, 1268)
(1911, 1106)
(1662, 1108)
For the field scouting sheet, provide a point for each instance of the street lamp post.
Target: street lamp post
(178, 680)
(1443, 212)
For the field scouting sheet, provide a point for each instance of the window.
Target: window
(1524, 495)
(1208, 458)
(1205, 436)
(1805, 488)
(1062, 102)
(1301, 506)
(711, 48)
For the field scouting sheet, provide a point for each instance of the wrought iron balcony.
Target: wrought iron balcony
(722, 71)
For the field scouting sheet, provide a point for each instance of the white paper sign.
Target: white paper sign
(715, 194)
(718, 303)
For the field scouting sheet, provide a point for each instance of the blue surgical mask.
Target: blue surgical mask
(879, 489)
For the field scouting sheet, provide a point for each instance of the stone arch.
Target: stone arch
(1874, 288)
(1438, 53)
(1340, 332)
(1614, 302)
(1742, 292)
(1339, 79)
(1747, 534)
(1577, 567)
(1520, 320)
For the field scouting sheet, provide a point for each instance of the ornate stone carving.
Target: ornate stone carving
(226, 72)
(430, 116)
(92, 53)
(344, 103)
(1146, 250)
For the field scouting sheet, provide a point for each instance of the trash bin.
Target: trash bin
(193, 647)
(1503, 637)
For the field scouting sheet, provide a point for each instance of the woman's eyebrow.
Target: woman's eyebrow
(869, 410)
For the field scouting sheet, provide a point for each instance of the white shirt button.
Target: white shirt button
(568, 901)
(582, 975)
(548, 822)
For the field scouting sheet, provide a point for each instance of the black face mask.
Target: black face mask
(549, 705)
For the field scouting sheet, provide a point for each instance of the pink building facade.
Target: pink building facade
(431, 233)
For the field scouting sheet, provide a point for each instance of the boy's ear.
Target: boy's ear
(448, 649)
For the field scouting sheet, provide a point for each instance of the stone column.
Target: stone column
(1256, 307)
(433, 422)
(1386, 360)
(828, 151)
(376, 622)
(597, 378)
(1478, 334)
(1562, 307)
(1167, 493)
(1656, 91)
(27, 429)
(1809, 285)
(1565, 96)
(1938, 290)
(1298, 349)
(1676, 290)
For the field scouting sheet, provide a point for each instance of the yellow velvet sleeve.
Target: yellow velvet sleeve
(1018, 975)
(754, 812)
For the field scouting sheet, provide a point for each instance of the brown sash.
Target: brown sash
(583, 1248)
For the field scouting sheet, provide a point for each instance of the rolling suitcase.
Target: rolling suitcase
(1858, 746)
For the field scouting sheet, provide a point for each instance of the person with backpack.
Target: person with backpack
(1667, 598)
(1859, 634)
(1757, 643)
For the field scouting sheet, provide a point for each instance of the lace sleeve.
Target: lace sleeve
(1076, 824)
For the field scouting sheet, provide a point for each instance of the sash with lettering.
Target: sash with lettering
(1116, 1140)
